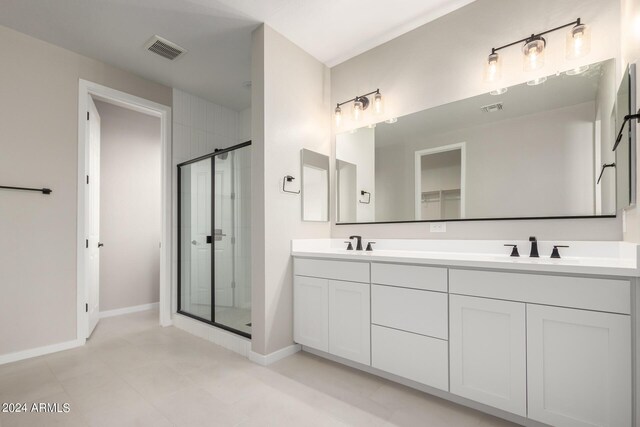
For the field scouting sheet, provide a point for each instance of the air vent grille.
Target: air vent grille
(492, 107)
(164, 48)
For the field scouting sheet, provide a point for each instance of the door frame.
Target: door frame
(163, 112)
(418, 175)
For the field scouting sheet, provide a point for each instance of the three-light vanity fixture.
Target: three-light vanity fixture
(361, 103)
(578, 44)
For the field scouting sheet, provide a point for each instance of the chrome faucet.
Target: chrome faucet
(534, 248)
(358, 242)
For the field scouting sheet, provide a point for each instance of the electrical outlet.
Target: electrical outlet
(438, 227)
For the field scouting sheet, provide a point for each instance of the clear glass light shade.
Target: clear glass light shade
(493, 68)
(534, 54)
(578, 42)
(338, 116)
(357, 110)
(378, 104)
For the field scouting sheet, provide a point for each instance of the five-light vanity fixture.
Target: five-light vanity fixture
(361, 103)
(578, 45)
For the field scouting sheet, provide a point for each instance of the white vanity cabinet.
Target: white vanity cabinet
(311, 312)
(577, 362)
(488, 352)
(549, 348)
(333, 315)
(579, 367)
(349, 321)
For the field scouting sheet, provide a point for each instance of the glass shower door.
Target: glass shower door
(195, 229)
(231, 244)
(214, 254)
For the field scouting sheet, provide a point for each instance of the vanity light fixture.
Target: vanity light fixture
(498, 91)
(493, 68)
(578, 45)
(391, 120)
(338, 115)
(360, 104)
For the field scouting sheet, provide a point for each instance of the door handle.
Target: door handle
(100, 244)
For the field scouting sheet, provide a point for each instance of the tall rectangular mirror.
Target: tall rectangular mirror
(533, 150)
(314, 186)
(625, 159)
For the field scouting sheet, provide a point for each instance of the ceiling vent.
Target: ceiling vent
(164, 48)
(492, 108)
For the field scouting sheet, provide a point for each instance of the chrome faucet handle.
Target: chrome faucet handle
(514, 250)
(349, 246)
(369, 248)
(555, 253)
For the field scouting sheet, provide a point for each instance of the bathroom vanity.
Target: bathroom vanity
(532, 340)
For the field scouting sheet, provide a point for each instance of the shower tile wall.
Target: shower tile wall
(200, 126)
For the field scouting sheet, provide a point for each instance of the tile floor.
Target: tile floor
(134, 373)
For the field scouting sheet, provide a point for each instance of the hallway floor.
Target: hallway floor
(134, 373)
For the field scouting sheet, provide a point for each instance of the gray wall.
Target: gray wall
(442, 61)
(130, 219)
(282, 123)
(39, 146)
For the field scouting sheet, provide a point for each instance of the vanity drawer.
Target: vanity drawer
(329, 269)
(415, 357)
(411, 310)
(612, 295)
(410, 276)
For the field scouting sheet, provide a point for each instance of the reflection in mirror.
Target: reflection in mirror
(315, 186)
(534, 151)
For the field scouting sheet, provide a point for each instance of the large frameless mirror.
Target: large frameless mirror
(533, 150)
(214, 239)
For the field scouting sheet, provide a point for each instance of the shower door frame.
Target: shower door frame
(211, 156)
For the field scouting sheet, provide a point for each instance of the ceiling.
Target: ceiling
(216, 33)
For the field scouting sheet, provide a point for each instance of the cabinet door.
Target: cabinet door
(350, 321)
(311, 312)
(579, 367)
(487, 344)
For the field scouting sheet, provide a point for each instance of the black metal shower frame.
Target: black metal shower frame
(179, 219)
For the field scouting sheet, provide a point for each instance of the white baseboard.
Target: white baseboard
(268, 359)
(127, 310)
(226, 339)
(39, 351)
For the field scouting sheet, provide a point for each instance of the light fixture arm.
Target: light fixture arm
(340, 104)
(536, 36)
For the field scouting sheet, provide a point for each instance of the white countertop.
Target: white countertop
(592, 258)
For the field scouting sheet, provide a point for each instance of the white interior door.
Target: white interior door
(200, 229)
(223, 232)
(93, 219)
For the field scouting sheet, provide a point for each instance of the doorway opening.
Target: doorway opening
(214, 239)
(123, 204)
(440, 182)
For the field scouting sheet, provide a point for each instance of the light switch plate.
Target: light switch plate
(438, 227)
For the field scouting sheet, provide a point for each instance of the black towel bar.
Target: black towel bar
(40, 190)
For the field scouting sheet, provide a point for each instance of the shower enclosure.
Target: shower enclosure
(214, 232)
